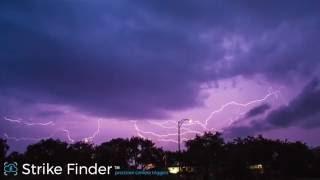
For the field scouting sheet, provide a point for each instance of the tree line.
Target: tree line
(207, 156)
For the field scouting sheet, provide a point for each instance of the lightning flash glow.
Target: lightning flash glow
(188, 130)
(185, 132)
(56, 131)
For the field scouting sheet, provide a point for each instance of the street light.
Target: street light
(180, 122)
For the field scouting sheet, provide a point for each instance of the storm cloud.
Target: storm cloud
(303, 111)
(261, 109)
(143, 59)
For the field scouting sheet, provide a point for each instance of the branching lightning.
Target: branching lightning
(189, 128)
(66, 131)
(68, 135)
(171, 137)
(223, 107)
(19, 121)
(188, 131)
(96, 133)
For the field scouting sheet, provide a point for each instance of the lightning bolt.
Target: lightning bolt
(66, 131)
(231, 103)
(170, 124)
(68, 135)
(173, 141)
(163, 135)
(85, 139)
(25, 123)
(19, 121)
(96, 133)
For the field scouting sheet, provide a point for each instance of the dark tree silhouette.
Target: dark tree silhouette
(276, 157)
(171, 159)
(143, 152)
(316, 162)
(51, 151)
(206, 152)
(208, 155)
(294, 159)
(16, 157)
(241, 153)
(131, 153)
(81, 152)
(3, 149)
(114, 152)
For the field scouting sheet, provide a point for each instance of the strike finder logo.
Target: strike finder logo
(10, 169)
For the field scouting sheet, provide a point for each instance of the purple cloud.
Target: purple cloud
(258, 110)
(303, 111)
(145, 59)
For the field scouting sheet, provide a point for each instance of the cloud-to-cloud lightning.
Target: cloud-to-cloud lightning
(66, 131)
(19, 121)
(171, 137)
(131, 61)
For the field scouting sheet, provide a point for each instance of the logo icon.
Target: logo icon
(10, 169)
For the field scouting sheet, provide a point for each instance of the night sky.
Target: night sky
(94, 70)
